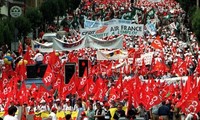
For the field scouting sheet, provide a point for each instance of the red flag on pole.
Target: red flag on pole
(48, 76)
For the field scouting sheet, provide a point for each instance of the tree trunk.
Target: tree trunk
(197, 4)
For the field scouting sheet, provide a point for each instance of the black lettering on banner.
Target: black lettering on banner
(88, 33)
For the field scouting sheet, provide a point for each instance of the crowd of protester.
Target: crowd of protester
(179, 46)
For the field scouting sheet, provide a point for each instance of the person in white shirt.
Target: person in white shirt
(68, 107)
(11, 113)
(52, 115)
(57, 105)
(43, 107)
(38, 58)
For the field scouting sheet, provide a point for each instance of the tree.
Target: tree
(73, 4)
(35, 18)
(187, 4)
(56, 8)
(53, 8)
(6, 31)
(196, 23)
(23, 25)
(2, 2)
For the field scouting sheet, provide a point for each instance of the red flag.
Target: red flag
(143, 70)
(57, 82)
(157, 43)
(198, 67)
(28, 54)
(159, 67)
(43, 93)
(4, 79)
(100, 83)
(71, 86)
(191, 102)
(46, 59)
(99, 95)
(22, 95)
(83, 80)
(113, 94)
(188, 85)
(48, 76)
(8, 89)
(53, 58)
(20, 48)
(181, 70)
(118, 86)
(90, 87)
(2, 97)
(154, 95)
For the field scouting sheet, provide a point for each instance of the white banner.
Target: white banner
(88, 41)
(93, 24)
(112, 55)
(147, 59)
(42, 47)
(108, 30)
(60, 45)
(115, 43)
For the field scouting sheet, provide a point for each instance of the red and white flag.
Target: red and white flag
(157, 43)
(49, 76)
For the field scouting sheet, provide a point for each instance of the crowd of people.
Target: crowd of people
(177, 55)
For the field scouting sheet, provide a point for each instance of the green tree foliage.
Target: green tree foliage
(53, 8)
(73, 4)
(34, 16)
(6, 31)
(187, 4)
(48, 10)
(2, 2)
(196, 23)
(23, 25)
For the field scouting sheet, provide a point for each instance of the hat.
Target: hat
(58, 100)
